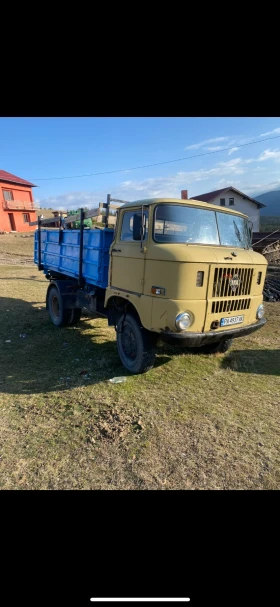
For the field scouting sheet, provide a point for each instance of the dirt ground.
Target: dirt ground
(192, 422)
(16, 249)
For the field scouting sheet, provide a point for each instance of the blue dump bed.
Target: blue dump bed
(63, 257)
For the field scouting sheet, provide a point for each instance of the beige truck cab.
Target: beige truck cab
(182, 270)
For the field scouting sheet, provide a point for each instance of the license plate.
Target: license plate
(233, 320)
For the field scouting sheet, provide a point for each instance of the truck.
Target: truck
(175, 270)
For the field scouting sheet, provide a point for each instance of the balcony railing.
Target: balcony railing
(19, 205)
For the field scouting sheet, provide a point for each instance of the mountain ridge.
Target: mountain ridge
(272, 202)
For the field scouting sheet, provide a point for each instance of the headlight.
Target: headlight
(184, 321)
(260, 311)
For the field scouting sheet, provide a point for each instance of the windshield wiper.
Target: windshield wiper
(237, 231)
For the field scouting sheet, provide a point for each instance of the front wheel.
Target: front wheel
(136, 345)
(219, 347)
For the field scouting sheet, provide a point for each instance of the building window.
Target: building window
(8, 195)
(26, 218)
(222, 202)
(231, 202)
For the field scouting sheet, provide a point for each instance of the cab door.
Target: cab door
(127, 255)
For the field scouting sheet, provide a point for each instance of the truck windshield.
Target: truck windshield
(233, 230)
(184, 224)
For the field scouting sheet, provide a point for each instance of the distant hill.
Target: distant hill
(272, 201)
(269, 224)
(46, 212)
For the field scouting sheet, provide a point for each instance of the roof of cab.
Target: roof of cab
(189, 201)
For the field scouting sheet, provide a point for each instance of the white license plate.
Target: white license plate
(233, 320)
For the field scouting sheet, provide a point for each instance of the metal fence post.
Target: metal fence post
(81, 280)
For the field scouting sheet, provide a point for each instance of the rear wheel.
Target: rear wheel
(220, 347)
(74, 316)
(136, 345)
(58, 314)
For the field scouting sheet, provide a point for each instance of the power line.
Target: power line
(145, 166)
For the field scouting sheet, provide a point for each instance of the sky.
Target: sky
(40, 149)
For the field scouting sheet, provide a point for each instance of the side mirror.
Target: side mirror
(137, 226)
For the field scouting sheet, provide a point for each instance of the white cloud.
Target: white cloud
(265, 155)
(215, 148)
(262, 169)
(73, 200)
(239, 139)
(195, 146)
(262, 187)
(270, 155)
(169, 186)
(221, 174)
(224, 182)
(274, 132)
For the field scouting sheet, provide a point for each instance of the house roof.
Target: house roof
(10, 178)
(210, 196)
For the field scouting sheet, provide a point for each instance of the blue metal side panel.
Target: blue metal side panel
(64, 257)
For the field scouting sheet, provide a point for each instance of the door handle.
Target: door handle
(116, 250)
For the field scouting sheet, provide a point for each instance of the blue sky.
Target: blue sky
(39, 148)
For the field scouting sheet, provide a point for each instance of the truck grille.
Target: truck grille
(222, 277)
(230, 305)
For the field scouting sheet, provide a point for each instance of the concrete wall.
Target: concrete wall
(243, 206)
(20, 194)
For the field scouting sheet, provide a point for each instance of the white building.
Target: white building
(238, 201)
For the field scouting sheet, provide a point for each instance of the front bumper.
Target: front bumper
(195, 340)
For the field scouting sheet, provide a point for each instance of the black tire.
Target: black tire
(219, 347)
(58, 315)
(75, 315)
(136, 345)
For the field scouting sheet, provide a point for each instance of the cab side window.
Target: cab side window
(127, 226)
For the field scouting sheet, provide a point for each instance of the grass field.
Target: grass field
(193, 422)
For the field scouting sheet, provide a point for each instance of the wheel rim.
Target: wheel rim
(128, 342)
(55, 306)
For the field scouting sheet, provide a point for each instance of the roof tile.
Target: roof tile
(209, 196)
(5, 176)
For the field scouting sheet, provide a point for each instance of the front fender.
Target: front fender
(141, 303)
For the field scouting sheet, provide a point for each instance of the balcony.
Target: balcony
(19, 205)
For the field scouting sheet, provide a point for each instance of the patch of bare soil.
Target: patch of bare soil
(10, 259)
(115, 424)
(16, 249)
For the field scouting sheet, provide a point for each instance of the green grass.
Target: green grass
(193, 422)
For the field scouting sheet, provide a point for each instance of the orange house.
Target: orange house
(17, 206)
